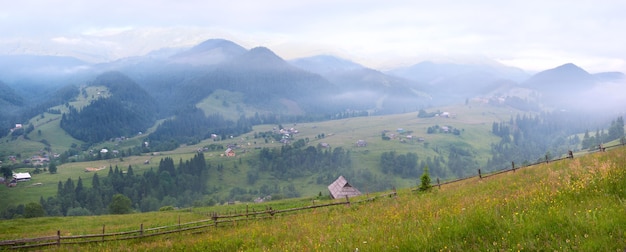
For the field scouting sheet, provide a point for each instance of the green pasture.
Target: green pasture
(473, 120)
(569, 205)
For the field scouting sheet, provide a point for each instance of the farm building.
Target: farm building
(341, 188)
(323, 145)
(229, 152)
(361, 143)
(21, 176)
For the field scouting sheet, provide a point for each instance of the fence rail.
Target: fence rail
(214, 221)
(570, 155)
(215, 218)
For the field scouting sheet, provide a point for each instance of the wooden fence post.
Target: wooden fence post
(547, 160)
(480, 176)
(513, 165)
(438, 184)
(141, 230)
(103, 225)
(347, 201)
(58, 237)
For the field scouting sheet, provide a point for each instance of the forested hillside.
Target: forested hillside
(527, 138)
(170, 184)
(126, 112)
(10, 103)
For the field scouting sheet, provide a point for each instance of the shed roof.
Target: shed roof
(21, 175)
(341, 188)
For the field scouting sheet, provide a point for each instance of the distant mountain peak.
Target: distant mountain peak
(210, 52)
(263, 51)
(570, 67)
(213, 44)
(260, 58)
(567, 71)
(564, 77)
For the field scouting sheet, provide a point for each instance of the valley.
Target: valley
(265, 126)
(475, 121)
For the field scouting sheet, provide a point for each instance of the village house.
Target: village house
(445, 129)
(17, 126)
(39, 160)
(21, 176)
(323, 145)
(361, 143)
(341, 188)
(229, 152)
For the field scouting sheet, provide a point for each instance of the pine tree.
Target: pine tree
(425, 185)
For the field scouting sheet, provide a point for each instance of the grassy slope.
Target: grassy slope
(229, 104)
(47, 127)
(475, 120)
(567, 205)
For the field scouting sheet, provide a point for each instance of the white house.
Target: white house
(21, 176)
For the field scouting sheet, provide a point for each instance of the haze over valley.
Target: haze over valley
(279, 102)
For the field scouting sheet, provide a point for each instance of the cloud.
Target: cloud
(68, 41)
(531, 34)
(108, 31)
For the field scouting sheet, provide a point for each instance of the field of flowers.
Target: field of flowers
(574, 204)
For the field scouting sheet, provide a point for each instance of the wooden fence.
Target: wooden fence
(513, 168)
(197, 226)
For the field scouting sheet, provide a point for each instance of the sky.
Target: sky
(531, 34)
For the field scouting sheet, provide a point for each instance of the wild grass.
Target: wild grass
(566, 205)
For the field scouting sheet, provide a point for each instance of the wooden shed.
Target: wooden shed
(341, 188)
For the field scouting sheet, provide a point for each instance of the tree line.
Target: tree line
(615, 131)
(295, 160)
(168, 185)
(526, 139)
(460, 163)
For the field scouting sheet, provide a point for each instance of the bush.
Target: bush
(78, 211)
(166, 208)
(33, 209)
(120, 204)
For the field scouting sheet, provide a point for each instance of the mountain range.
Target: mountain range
(317, 87)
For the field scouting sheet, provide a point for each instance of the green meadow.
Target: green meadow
(473, 120)
(569, 205)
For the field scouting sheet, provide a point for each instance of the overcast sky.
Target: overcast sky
(530, 34)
